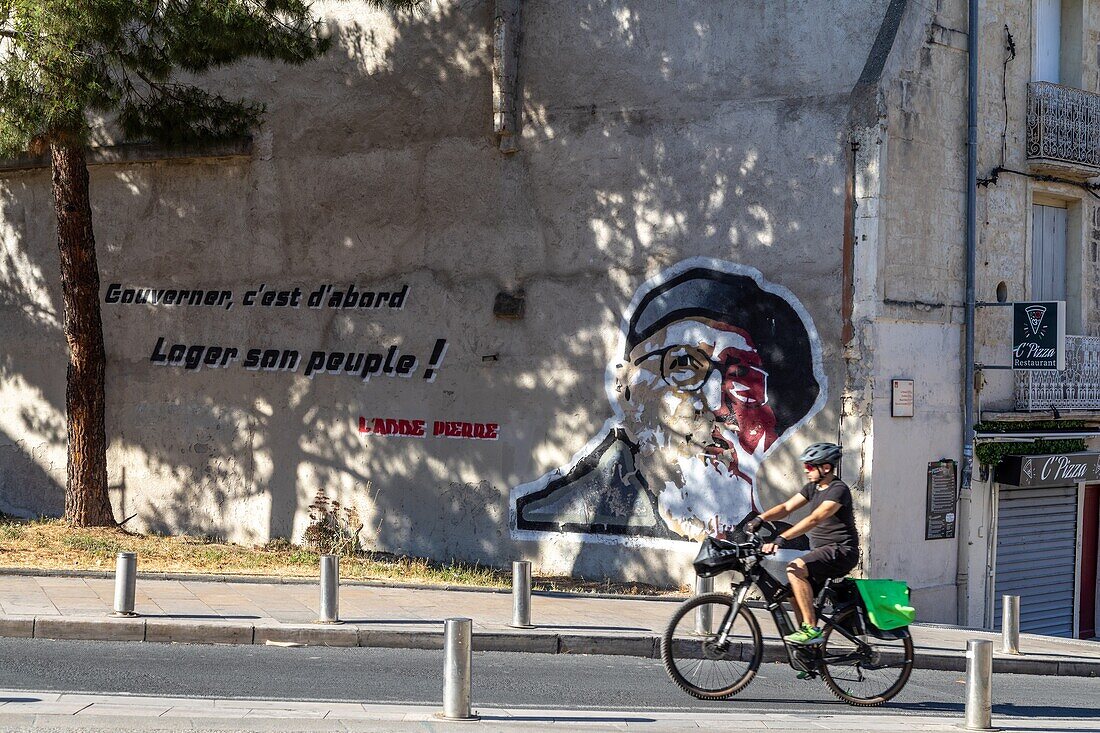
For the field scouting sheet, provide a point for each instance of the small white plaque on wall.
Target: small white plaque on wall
(901, 398)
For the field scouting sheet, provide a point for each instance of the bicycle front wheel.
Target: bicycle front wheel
(866, 675)
(700, 662)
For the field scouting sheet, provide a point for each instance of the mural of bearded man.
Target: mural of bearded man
(717, 367)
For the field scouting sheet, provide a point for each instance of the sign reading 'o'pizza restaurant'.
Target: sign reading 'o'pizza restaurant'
(1039, 335)
(1053, 470)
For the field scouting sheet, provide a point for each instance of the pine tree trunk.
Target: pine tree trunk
(87, 503)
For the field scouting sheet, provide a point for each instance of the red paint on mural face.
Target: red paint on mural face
(745, 394)
(743, 400)
(440, 428)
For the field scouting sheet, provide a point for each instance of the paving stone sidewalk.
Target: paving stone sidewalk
(24, 710)
(228, 612)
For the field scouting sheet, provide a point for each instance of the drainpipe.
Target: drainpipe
(962, 596)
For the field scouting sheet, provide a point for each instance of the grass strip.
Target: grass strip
(54, 544)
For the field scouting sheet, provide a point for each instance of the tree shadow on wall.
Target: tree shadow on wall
(32, 431)
(643, 142)
(636, 152)
(29, 490)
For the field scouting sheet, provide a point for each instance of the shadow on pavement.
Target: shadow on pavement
(565, 719)
(1076, 729)
(1047, 711)
(399, 621)
(1017, 711)
(588, 627)
(198, 615)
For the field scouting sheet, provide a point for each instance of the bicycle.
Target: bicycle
(860, 664)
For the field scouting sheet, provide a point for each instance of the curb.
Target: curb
(531, 642)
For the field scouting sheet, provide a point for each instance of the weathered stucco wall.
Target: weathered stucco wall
(915, 160)
(910, 170)
(651, 134)
(903, 447)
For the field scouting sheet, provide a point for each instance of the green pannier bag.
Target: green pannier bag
(887, 602)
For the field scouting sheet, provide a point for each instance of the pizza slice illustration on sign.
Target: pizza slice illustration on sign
(1035, 315)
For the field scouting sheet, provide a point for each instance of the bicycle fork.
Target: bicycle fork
(727, 623)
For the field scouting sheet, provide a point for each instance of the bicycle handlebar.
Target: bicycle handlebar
(756, 542)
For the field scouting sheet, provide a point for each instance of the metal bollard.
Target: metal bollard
(704, 615)
(125, 584)
(330, 590)
(979, 681)
(521, 594)
(1010, 624)
(456, 669)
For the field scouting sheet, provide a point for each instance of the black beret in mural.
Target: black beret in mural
(770, 320)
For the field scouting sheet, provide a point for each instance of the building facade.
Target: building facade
(1036, 225)
(571, 282)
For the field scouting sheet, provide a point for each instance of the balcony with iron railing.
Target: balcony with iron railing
(1076, 388)
(1063, 130)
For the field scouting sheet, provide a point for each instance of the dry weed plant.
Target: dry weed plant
(333, 529)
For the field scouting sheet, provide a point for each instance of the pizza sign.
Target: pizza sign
(1039, 335)
(1061, 469)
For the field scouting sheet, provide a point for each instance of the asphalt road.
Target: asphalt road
(500, 680)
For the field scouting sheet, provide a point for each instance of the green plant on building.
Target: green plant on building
(990, 453)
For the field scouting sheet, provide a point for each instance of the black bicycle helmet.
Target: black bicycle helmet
(821, 453)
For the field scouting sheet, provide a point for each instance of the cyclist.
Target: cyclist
(834, 541)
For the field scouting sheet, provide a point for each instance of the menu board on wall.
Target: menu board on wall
(940, 506)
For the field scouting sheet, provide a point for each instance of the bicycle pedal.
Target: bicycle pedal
(805, 644)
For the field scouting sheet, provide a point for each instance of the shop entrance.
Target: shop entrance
(1090, 550)
(1037, 556)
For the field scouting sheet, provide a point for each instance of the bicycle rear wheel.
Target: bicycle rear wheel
(697, 661)
(869, 675)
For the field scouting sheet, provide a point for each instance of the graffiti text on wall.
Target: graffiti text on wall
(406, 428)
(362, 365)
(325, 296)
(377, 360)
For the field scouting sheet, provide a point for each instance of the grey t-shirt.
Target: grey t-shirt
(839, 529)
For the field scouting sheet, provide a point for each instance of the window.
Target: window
(1048, 252)
(1056, 255)
(1057, 39)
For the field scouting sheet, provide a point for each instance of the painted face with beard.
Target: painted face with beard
(694, 397)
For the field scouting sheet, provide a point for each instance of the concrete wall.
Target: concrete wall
(913, 318)
(903, 447)
(650, 134)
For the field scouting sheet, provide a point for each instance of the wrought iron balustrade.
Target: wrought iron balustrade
(1076, 388)
(1063, 127)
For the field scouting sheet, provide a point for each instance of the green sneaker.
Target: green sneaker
(805, 635)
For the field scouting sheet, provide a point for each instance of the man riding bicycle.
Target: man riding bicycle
(834, 541)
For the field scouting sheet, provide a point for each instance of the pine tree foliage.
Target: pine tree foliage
(61, 60)
(64, 63)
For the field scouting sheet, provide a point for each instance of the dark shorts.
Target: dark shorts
(830, 561)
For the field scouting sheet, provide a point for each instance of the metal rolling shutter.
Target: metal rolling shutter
(1037, 557)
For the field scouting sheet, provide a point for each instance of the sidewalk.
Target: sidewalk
(237, 612)
(22, 710)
